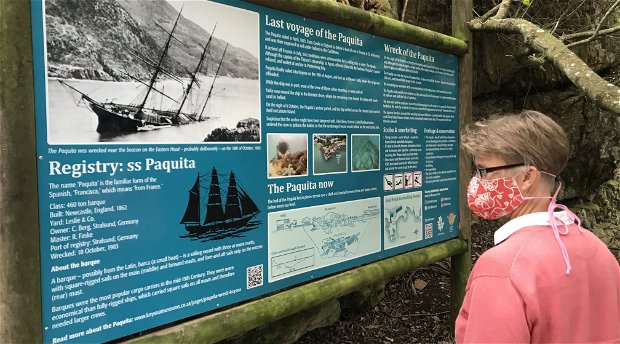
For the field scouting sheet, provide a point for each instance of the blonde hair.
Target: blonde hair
(528, 137)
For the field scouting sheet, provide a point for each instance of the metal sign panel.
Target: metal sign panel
(197, 154)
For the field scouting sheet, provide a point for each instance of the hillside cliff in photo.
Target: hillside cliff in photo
(111, 39)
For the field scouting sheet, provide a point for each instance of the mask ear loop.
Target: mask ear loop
(554, 226)
(553, 219)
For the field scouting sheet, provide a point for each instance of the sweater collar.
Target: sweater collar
(528, 220)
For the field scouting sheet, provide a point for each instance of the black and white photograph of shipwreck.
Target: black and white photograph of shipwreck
(158, 71)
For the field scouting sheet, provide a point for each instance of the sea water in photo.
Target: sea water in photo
(71, 121)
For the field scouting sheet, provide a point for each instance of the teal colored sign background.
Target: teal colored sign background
(354, 159)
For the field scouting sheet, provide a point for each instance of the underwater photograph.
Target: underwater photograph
(287, 155)
(365, 152)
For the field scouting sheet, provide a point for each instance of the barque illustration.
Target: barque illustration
(115, 118)
(213, 220)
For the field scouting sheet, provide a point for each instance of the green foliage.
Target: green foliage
(602, 216)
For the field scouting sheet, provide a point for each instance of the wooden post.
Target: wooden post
(20, 287)
(461, 263)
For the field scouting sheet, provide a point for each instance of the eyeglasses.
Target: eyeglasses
(482, 172)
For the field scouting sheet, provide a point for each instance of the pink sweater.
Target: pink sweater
(518, 291)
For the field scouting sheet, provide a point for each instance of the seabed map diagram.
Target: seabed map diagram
(402, 219)
(307, 239)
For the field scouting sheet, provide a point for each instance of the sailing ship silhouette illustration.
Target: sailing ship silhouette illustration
(219, 222)
(116, 118)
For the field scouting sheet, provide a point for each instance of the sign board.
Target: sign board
(197, 154)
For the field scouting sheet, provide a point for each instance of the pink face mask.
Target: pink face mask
(491, 199)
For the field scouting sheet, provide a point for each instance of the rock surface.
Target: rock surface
(246, 130)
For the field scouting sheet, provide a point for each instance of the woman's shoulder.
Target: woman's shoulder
(499, 259)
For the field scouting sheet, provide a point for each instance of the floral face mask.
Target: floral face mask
(491, 199)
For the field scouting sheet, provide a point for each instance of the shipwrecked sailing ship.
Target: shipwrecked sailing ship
(116, 118)
(211, 220)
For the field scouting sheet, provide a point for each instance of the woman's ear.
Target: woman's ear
(529, 178)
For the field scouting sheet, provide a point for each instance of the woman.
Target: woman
(546, 280)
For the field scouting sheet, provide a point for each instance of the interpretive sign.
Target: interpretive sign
(195, 154)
